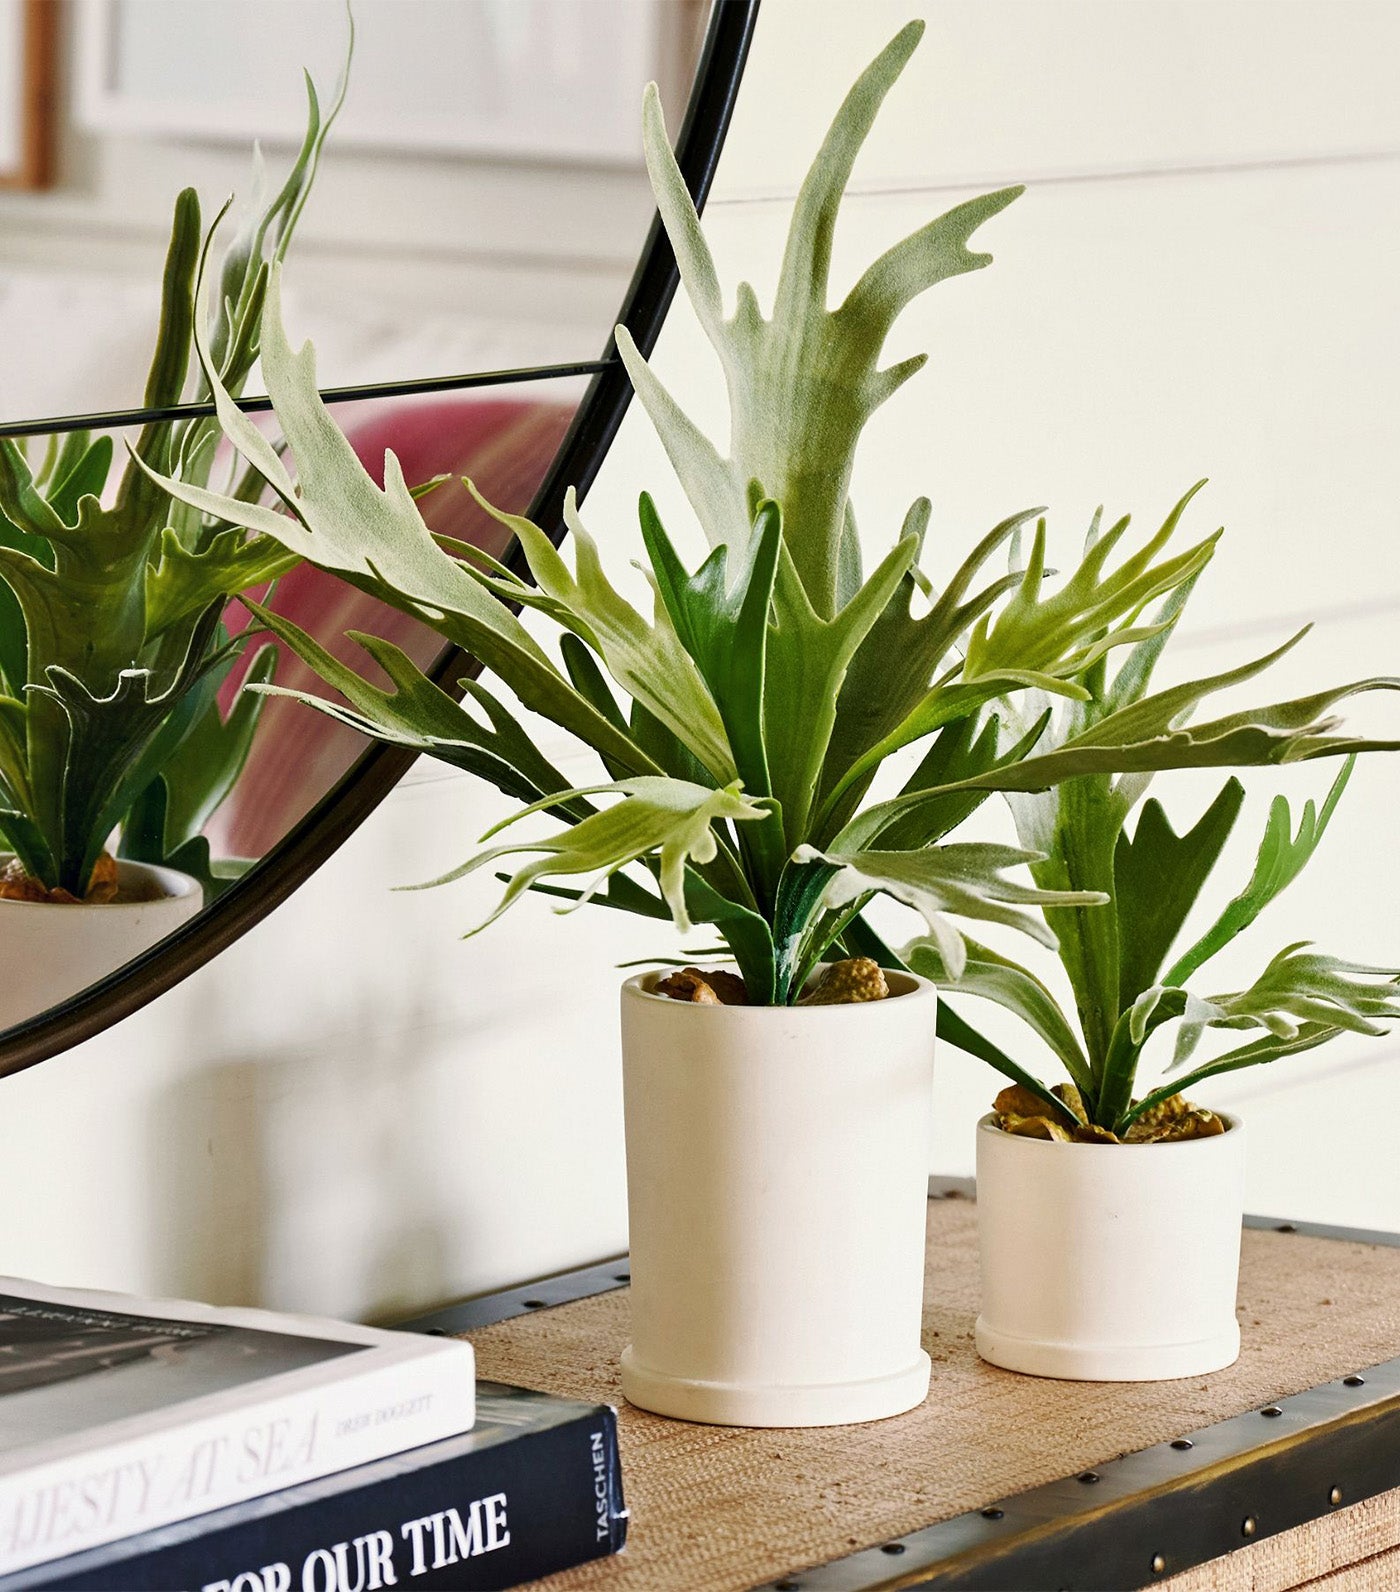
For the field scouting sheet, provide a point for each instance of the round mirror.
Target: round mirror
(474, 214)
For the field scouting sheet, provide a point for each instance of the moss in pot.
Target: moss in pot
(738, 726)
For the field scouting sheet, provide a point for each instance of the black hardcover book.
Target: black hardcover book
(534, 1487)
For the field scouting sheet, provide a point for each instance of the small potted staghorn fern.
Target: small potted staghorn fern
(1121, 1264)
(777, 1112)
(112, 644)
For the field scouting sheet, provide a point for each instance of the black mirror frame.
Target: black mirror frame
(375, 773)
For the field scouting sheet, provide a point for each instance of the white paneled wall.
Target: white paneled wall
(355, 1111)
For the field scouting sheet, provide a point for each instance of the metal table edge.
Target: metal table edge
(1130, 1522)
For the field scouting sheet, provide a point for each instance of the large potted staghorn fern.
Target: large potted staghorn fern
(113, 647)
(777, 1106)
(1121, 1263)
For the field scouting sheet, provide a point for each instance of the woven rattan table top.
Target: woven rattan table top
(715, 1509)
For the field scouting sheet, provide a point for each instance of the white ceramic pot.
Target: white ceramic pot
(777, 1184)
(49, 953)
(1109, 1263)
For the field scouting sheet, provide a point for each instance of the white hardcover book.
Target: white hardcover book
(119, 1414)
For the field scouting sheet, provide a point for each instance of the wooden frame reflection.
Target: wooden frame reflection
(28, 60)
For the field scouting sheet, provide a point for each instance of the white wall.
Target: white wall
(353, 1111)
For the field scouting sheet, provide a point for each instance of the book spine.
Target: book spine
(488, 1518)
(131, 1486)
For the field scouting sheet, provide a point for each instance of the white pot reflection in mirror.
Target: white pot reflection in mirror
(53, 952)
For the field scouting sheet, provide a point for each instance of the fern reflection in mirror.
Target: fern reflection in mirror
(112, 641)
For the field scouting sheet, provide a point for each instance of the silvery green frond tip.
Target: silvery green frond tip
(803, 382)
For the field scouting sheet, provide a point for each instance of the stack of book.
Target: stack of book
(166, 1446)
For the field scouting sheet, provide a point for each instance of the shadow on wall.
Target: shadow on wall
(210, 1193)
(263, 1163)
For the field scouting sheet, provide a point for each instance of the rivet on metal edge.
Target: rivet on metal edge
(533, 1304)
(623, 1276)
(1158, 1564)
(1353, 1381)
(993, 1513)
(1182, 1443)
(1249, 1526)
(1335, 1496)
(1286, 1227)
(1088, 1477)
(893, 1547)
(1271, 1409)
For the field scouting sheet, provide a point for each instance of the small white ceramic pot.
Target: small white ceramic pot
(1106, 1262)
(777, 1185)
(49, 953)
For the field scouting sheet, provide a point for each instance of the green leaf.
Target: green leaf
(1116, 1072)
(657, 815)
(215, 874)
(803, 384)
(1282, 857)
(618, 891)
(648, 661)
(807, 661)
(1047, 632)
(144, 840)
(799, 909)
(1042, 639)
(180, 582)
(1302, 998)
(1137, 665)
(14, 769)
(711, 483)
(1300, 987)
(139, 498)
(589, 680)
(958, 752)
(746, 933)
(1157, 877)
(721, 616)
(198, 776)
(1279, 733)
(1260, 1051)
(29, 844)
(901, 656)
(243, 274)
(1015, 988)
(116, 743)
(420, 715)
(721, 619)
(964, 878)
(950, 1027)
(1080, 847)
(14, 645)
(85, 476)
(27, 510)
